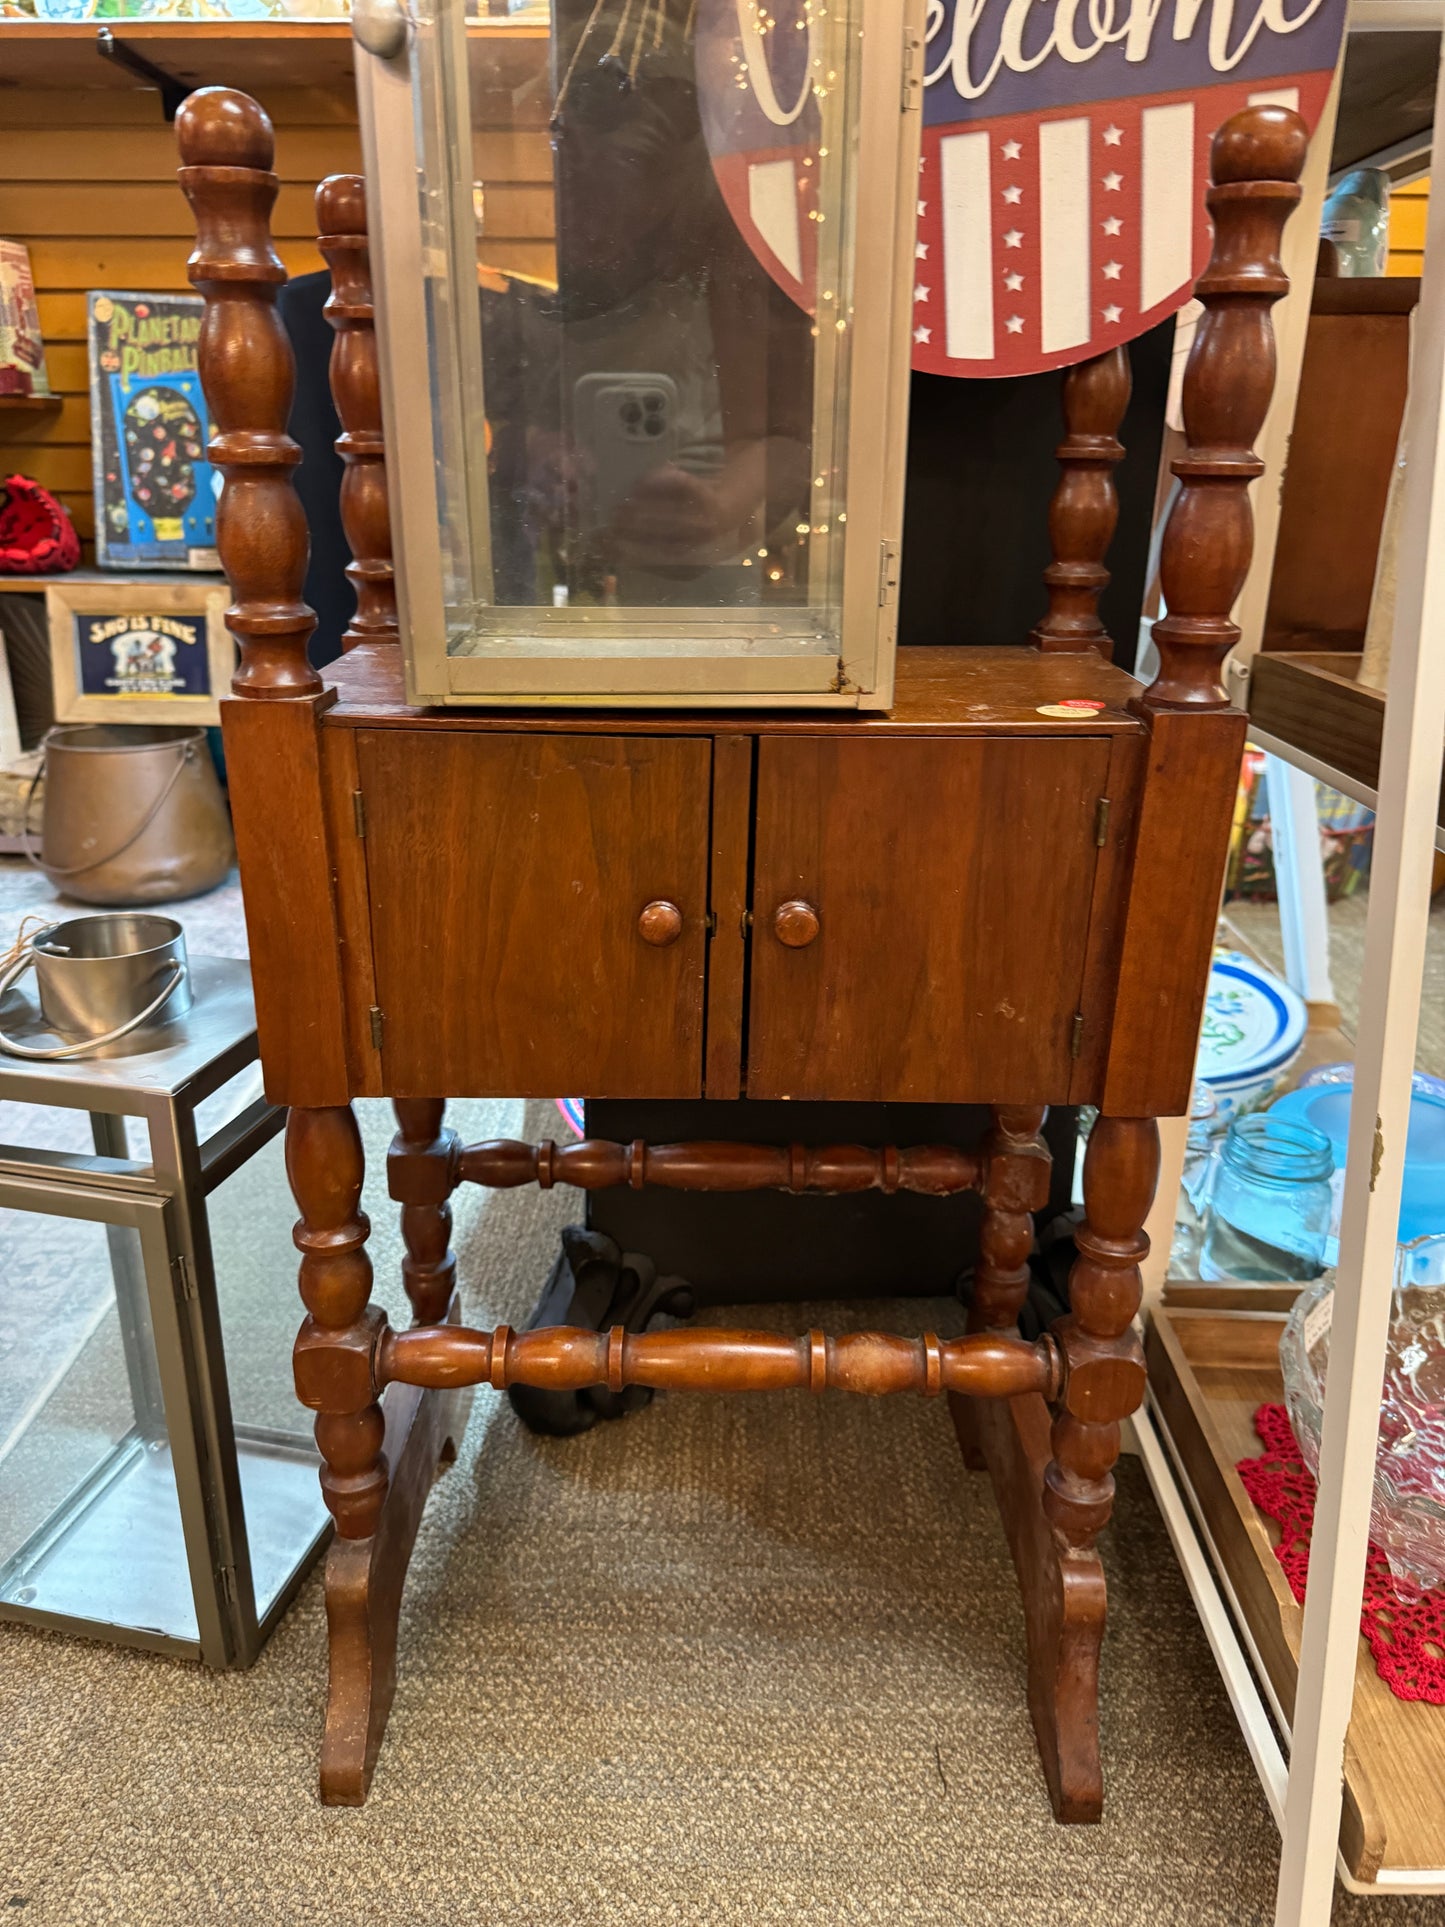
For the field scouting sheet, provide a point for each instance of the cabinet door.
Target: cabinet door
(508, 875)
(950, 886)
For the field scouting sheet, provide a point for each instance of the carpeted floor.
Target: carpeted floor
(734, 1661)
(730, 1661)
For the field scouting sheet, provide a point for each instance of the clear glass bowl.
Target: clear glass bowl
(1407, 1514)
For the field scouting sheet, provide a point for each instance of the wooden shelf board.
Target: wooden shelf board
(239, 53)
(111, 578)
(1209, 1371)
(1315, 701)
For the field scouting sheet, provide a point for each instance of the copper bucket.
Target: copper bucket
(132, 814)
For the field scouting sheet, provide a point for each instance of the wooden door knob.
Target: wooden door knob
(660, 922)
(795, 923)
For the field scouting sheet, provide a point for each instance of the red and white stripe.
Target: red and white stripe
(1046, 238)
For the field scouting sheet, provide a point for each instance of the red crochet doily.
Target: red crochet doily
(1405, 1636)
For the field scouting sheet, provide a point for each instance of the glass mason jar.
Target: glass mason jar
(1268, 1215)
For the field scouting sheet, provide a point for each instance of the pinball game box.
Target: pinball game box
(155, 492)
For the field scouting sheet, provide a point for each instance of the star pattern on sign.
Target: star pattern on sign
(920, 293)
(1112, 270)
(1014, 282)
(1113, 136)
(1113, 225)
(1112, 183)
(923, 335)
(922, 209)
(1015, 324)
(920, 251)
(1013, 195)
(1011, 150)
(1112, 313)
(1014, 238)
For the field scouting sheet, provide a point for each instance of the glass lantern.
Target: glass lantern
(644, 275)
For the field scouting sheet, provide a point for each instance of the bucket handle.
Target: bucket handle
(187, 755)
(15, 971)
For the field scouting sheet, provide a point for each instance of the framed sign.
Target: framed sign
(1065, 161)
(136, 652)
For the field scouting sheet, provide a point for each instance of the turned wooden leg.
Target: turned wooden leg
(1015, 1185)
(1105, 1358)
(326, 1166)
(421, 1175)
(379, 1466)
(1054, 1483)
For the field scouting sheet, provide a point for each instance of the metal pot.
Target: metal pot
(103, 978)
(132, 814)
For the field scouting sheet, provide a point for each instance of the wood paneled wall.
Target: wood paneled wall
(87, 182)
(1409, 210)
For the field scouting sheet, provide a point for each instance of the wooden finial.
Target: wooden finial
(1085, 507)
(249, 374)
(1209, 537)
(356, 389)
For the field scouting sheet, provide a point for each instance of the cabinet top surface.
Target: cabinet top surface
(952, 691)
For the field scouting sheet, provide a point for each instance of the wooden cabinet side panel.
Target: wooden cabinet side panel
(1191, 780)
(952, 882)
(732, 815)
(273, 768)
(1115, 834)
(507, 875)
(341, 782)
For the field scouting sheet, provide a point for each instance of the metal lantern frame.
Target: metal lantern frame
(834, 651)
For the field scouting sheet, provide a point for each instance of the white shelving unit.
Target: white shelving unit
(1303, 1779)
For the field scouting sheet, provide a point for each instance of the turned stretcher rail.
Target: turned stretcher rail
(596, 1164)
(568, 1358)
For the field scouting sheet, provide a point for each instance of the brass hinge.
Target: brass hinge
(913, 58)
(185, 1275)
(358, 811)
(376, 1021)
(887, 574)
(710, 923)
(1101, 822)
(1076, 1042)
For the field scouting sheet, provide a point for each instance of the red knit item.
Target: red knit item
(1406, 1636)
(37, 537)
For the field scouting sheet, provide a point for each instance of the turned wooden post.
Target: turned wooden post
(420, 1170)
(1085, 505)
(1255, 165)
(356, 390)
(249, 375)
(1104, 1358)
(334, 1348)
(1015, 1185)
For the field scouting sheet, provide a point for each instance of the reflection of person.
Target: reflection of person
(663, 325)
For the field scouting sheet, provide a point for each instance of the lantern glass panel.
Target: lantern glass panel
(656, 454)
(90, 1517)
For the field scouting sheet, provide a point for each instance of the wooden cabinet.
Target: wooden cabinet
(875, 915)
(508, 877)
(950, 883)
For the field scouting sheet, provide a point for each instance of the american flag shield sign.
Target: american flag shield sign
(1064, 164)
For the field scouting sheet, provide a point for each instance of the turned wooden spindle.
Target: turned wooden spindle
(356, 390)
(326, 1166)
(419, 1172)
(1015, 1185)
(248, 374)
(1104, 1358)
(596, 1164)
(1255, 165)
(570, 1358)
(1085, 505)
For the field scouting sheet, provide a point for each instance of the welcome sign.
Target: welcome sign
(1065, 155)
